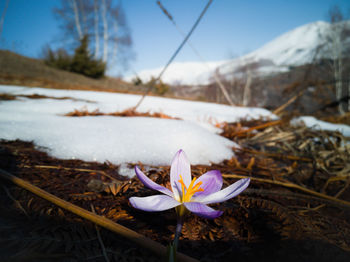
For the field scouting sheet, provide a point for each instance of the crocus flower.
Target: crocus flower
(193, 194)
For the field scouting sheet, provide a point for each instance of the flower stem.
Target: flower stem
(178, 233)
(181, 214)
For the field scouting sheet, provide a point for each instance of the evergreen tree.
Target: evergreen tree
(84, 63)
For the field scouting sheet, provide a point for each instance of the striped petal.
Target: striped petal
(150, 184)
(227, 193)
(180, 166)
(154, 203)
(202, 210)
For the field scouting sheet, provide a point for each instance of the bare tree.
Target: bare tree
(105, 31)
(338, 30)
(69, 14)
(96, 26)
(246, 90)
(76, 18)
(103, 21)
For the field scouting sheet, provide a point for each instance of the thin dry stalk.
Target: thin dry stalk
(75, 169)
(99, 237)
(291, 185)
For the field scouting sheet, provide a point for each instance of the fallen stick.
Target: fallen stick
(99, 220)
(291, 185)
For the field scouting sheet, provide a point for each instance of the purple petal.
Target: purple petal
(179, 166)
(150, 184)
(227, 193)
(153, 203)
(211, 183)
(202, 210)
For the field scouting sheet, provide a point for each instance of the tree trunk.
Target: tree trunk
(105, 31)
(84, 18)
(115, 44)
(77, 20)
(337, 64)
(340, 83)
(97, 37)
(246, 91)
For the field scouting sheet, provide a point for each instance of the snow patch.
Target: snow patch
(125, 170)
(120, 140)
(317, 124)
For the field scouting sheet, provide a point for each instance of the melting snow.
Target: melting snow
(317, 124)
(119, 140)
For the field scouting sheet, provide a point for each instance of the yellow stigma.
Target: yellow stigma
(191, 190)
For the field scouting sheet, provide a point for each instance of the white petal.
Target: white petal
(202, 210)
(154, 203)
(179, 166)
(150, 184)
(227, 193)
(211, 183)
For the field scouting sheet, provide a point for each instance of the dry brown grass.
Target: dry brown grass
(19, 70)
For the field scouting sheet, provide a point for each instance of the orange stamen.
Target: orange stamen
(191, 190)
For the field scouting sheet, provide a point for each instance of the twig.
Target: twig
(175, 54)
(18, 204)
(332, 179)
(341, 191)
(99, 220)
(278, 110)
(311, 209)
(291, 185)
(99, 236)
(291, 195)
(3, 16)
(74, 169)
(262, 126)
(215, 75)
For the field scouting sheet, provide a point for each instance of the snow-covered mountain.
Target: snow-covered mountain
(182, 73)
(296, 47)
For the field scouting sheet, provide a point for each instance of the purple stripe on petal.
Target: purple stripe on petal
(202, 210)
(150, 184)
(153, 203)
(179, 166)
(211, 183)
(227, 193)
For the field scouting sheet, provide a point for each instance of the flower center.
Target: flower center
(191, 190)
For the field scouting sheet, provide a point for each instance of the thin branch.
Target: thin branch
(3, 16)
(17, 203)
(216, 78)
(175, 54)
(291, 185)
(74, 169)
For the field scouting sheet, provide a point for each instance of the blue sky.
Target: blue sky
(229, 28)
